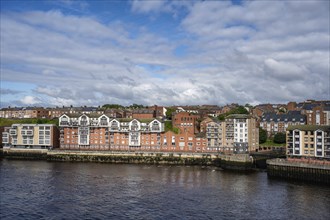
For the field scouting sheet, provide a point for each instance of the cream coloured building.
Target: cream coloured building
(237, 134)
(39, 136)
(308, 141)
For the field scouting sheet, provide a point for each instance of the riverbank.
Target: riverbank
(299, 170)
(230, 162)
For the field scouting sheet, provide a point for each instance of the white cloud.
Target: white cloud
(254, 52)
(285, 71)
(30, 100)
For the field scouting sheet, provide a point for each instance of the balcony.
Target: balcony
(155, 128)
(12, 132)
(5, 134)
(74, 124)
(114, 128)
(64, 123)
(83, 123)
(27, 132)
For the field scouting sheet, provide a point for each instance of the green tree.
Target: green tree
(136, 106)
(282, 110)
(279, 138)
(222, 117)
(169, 127)
(109, 106)
(238, 110)
(262, 136)
(169, 112)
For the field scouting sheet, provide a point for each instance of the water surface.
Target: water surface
(63, 190)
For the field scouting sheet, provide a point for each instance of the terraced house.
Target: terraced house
(275, 123)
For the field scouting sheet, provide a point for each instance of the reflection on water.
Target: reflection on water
(51, 190)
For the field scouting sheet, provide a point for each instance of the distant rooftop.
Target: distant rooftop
(309, 127)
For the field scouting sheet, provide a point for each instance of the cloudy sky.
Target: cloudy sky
(163, 52)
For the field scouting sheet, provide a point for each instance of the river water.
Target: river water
(64, 190)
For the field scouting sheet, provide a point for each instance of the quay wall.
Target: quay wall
(232, 162)
(282, 168)
(24, 154)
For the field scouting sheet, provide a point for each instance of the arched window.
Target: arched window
(114, 126)
(104, 121)
(83, 120)
(134, 126)
(155, 126)
(64, 121)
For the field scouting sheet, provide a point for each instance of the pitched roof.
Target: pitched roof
(290, 116)
(309, 127)
(238, 116)
(308, 106)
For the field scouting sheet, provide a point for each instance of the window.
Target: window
(155, 126)
(104, 121)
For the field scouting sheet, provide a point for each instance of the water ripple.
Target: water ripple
(51, 190)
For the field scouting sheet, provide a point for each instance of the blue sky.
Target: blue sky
(56, 53)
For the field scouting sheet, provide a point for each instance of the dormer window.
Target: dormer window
(64, 121)
(114, 126)
(83, 120)
(104, 121)
(155, 126)
(134, 126)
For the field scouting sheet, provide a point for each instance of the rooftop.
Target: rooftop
(238, 116)
(309, 127)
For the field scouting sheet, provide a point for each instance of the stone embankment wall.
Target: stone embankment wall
(233, 162)
(311, 172)
(154, 158)
(24, 154)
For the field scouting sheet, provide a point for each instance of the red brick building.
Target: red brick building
(186, 122)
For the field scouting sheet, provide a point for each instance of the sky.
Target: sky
(65, 52)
